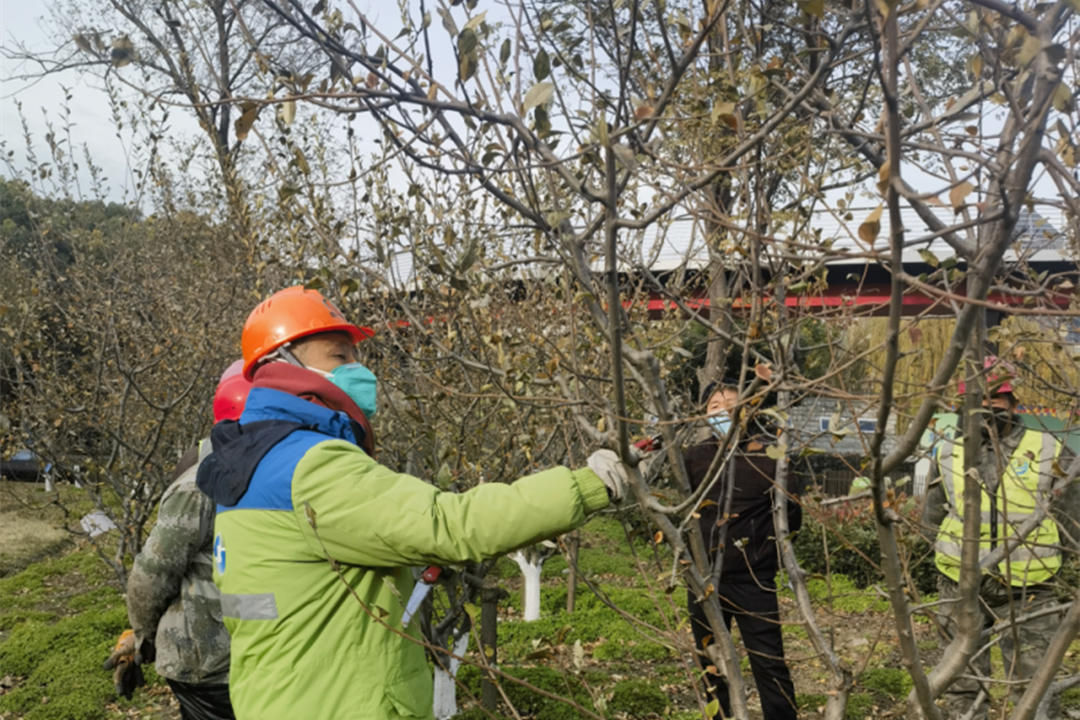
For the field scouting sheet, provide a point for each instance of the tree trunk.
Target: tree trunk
(574, 542)
(445, 705)
(530, 570)
(489, 637)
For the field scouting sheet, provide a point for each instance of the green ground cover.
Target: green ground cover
(60, 614)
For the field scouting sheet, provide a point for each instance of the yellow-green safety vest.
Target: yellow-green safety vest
(1038, 557)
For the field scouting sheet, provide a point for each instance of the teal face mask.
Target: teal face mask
(358, 383)
(719, 423)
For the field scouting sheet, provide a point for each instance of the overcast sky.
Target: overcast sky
(28, 24)
(25, 23)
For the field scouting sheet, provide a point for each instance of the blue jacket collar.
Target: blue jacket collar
(266, 404)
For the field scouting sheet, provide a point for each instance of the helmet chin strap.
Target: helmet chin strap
(284, 354)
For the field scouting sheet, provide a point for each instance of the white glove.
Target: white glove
(608, 467)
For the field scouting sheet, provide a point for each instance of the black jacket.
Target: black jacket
(238, 449)
(750, 542)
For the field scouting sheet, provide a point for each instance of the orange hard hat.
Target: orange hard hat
(230, 397)
(288, 315)
(997, 379)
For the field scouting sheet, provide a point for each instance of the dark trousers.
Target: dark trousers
(752, 603)
(202, 702)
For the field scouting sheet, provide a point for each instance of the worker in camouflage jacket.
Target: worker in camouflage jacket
(173, 605)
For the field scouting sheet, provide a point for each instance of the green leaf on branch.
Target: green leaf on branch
(871, 226)
(815, 8)
(929, 258)
(541, 65)
(468, 66)
(301, 162)
(1031, 47)
(286, 192)
(539, 94)
(975, 65)
(248, 112)
(775, 452)
(447, 20)
(475, 20)
(1062, 98)
(542, 122)
(287, 111)
(504, 51)
(467, 41)
(600, 131)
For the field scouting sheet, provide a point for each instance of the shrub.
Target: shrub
(528, 702)
(61, 618)
(591, 621)
(842, 539)
(893, 682)
(62, 666)
(619, 649)
(1070, 699)
(840, 593)
(638, 698)
(859, 706)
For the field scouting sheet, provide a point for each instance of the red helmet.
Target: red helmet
(236, 367)
(230, 397)
(288, 315)
(999, 376)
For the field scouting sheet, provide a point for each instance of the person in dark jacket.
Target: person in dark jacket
(746, 546)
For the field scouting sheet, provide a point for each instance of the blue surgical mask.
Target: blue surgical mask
(719, 423)
(358, 383)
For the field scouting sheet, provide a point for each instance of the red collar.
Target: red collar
(313, 387)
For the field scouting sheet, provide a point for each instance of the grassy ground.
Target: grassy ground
(32, 522)
(60, 611)
(635, 671)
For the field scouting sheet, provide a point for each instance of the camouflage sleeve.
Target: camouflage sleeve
(187, 461)
(184, 523)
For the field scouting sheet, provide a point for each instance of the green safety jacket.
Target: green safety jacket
(1005, 506)
(313, 546)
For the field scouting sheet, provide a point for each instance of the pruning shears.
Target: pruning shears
(649, 444)
(427, 580)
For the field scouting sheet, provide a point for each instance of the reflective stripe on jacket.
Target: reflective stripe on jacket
(1024, 486)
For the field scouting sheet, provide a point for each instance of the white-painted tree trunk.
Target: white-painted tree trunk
(445, 687)
(530, 565)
